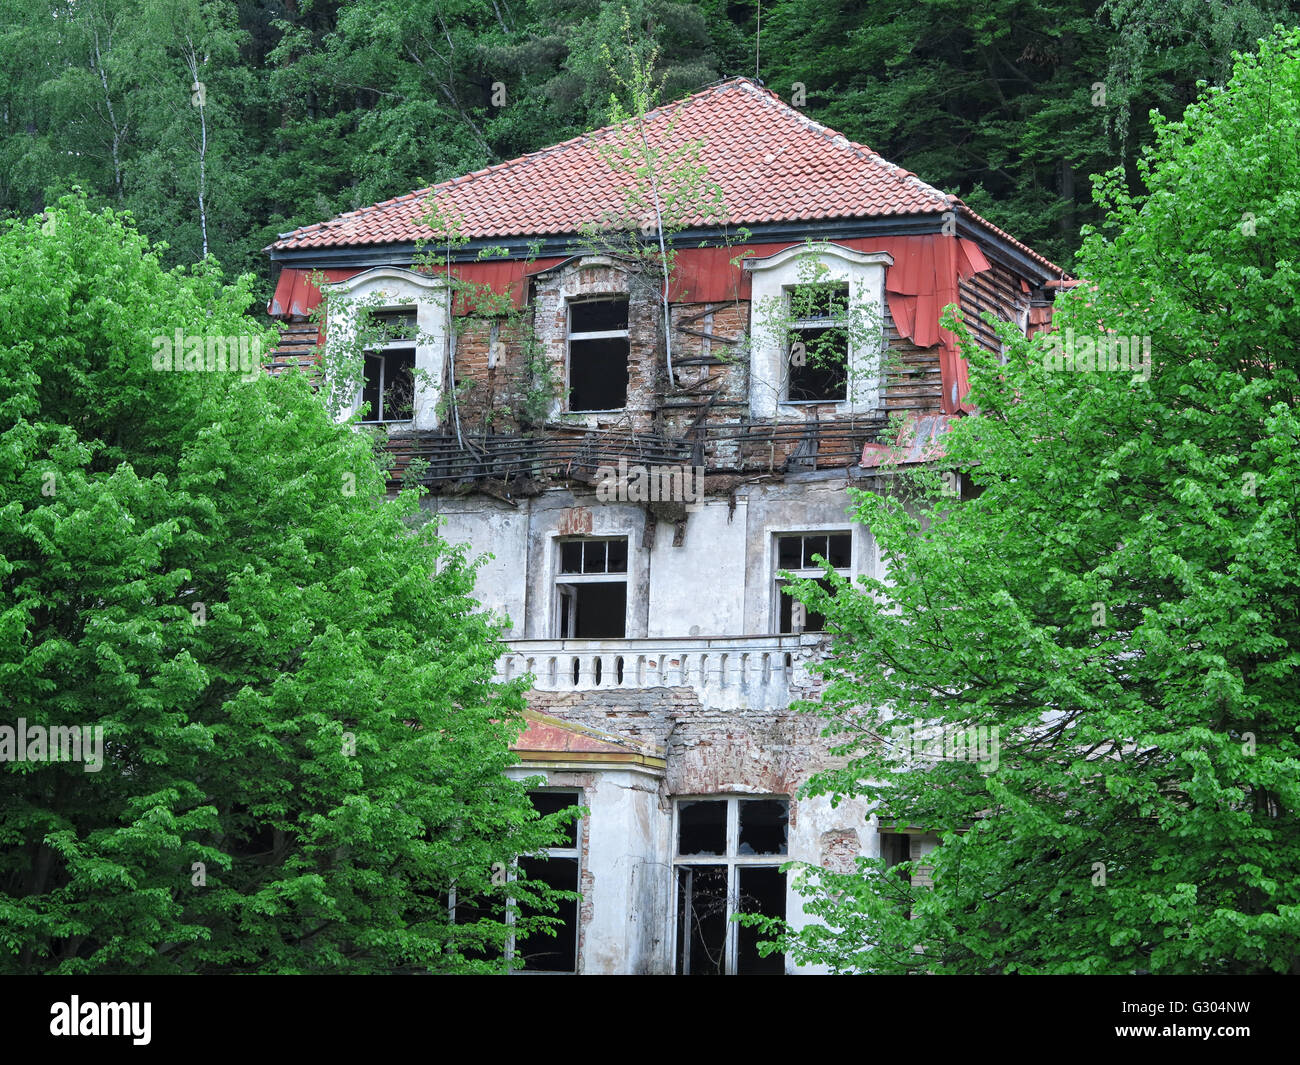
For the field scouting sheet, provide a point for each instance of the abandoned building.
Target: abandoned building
(642, 438)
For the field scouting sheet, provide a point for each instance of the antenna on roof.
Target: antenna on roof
(758, 38)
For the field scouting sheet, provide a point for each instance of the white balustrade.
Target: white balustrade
(724, 671)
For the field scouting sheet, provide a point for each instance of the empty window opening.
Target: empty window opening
(895, 849)
(388, 372)
(540, 952)
(899, 847)
(727, 861)
(559, 869)
(818, 357)
(702, 913)
(763, 826)
(760, 889)
(797, 553)
(598, 355)
(591, 591)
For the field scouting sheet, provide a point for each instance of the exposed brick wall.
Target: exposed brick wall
(711, 380)
(551, 295)
(912, 379)
(497, 386)
(766, 752)
(839, 849)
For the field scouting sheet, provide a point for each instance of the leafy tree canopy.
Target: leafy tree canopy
(1118, 600)
(317, 107)
(303, 752)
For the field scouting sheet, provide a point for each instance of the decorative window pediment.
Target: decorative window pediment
(396, 319)
(816, 322)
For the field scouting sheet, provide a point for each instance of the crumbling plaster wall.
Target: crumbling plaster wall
(719, 581)
(708, 752)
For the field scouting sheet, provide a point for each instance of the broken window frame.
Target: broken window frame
(797, 327)
(734, 861)
(598, 334)
(564, 614)
(574, 853)
(383, 351)
(802, 572)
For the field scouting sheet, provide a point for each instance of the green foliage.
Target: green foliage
(1118, 597)
(1012, 105)
(303, 748)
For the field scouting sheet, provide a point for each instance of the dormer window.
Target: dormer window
(817, 329)
(395, 323)
(598, 355)
(388, 390)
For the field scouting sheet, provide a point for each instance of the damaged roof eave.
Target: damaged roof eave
(553, 743)
(655, 767)
(402, 253)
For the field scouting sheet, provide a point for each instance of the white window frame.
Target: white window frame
(844, 571)
(772, 279)
(595, 334)
(565, 581)
(731, 859)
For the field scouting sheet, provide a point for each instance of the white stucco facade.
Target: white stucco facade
(700, 687)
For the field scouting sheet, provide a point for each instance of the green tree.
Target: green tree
(303, 750)
(1119, 598)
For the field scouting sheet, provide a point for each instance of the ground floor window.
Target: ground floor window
(898, 847)
(727, 858)
(558, 867)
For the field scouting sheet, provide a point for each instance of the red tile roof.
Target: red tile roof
(773, 163)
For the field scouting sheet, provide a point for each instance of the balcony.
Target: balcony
(726, 672)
